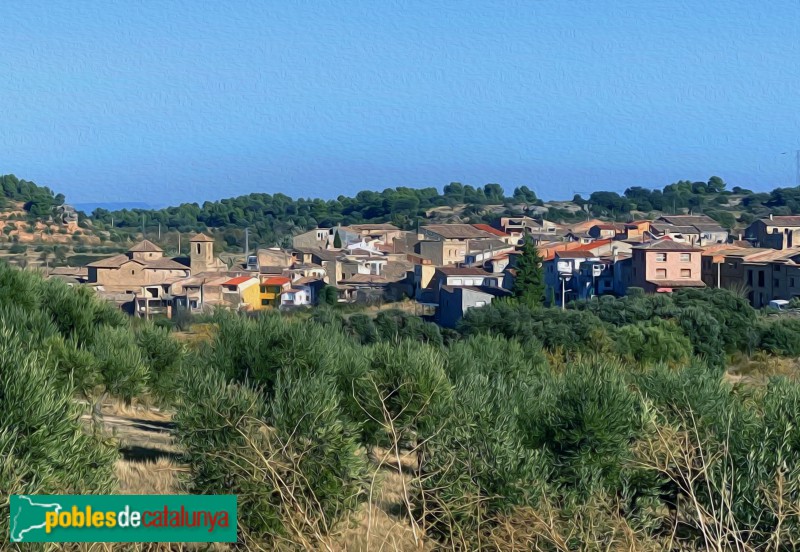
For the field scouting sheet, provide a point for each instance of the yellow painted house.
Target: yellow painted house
(271, 289)
(242, 293)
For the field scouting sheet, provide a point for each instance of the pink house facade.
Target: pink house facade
(664, 265)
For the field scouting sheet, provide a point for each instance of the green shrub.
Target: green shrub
(120, 362)
(164, 357)
(43, 447)
(476, 466)
(648, 343)
(294, 464)
(566, 330)
(587, 420)
(403, 394)
(361, 327)
(780, 336)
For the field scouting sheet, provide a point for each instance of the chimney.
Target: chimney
(770, 216)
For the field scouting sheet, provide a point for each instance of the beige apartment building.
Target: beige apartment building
(448, 244)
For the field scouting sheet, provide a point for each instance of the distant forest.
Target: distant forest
(274, 218)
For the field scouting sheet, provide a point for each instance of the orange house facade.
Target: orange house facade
(665, 265)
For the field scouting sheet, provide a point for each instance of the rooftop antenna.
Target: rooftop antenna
(796, 167)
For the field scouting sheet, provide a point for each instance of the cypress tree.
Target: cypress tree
(337, 241)
(529, 281)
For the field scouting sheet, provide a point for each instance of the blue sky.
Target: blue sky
(186, 101)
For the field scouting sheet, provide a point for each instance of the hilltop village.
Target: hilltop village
(449, 268)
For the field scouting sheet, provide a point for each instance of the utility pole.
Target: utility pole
(143, 231)
(179, 243)
(246, 244)
(159, 231)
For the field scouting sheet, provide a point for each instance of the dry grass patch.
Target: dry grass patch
(159, 476)
(760, 367)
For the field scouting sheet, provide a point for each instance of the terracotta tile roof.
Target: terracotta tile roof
(589, 246)
(457, 231)
(783, 220)
(584, 226)
(276, 281)
(688, 220)
(609, 226)
(666, 245)
(145, 245)
(574, 254)
(307, 280)
(200, 238)
(491, 230)
(110, 262)
(236, 281)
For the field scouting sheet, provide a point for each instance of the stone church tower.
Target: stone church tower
(201, 254)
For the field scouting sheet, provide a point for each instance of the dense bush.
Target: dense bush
(163, 356)
(568, 330)
(780, 336)
(281, 440)
(649, 343)
(43, 447)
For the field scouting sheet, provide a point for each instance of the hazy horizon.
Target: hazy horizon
(188, 102)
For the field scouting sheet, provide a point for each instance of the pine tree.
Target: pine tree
(337, 241)
(529, 281)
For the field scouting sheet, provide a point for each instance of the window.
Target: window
(264, 302)
(469, 282)
(263, 289)
(775, 282)
(791, 282)
(760, 278)
(750, 280)
(686, 273)
(661, 273)
(197, 248)
(133, 271)
(457, 281)
(686, 257)
(661, 257)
